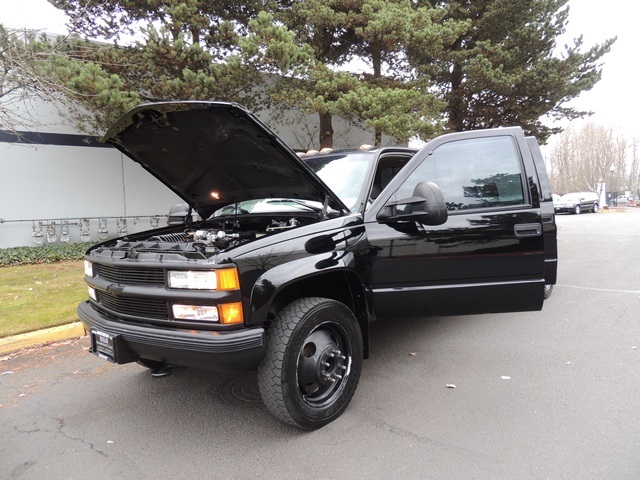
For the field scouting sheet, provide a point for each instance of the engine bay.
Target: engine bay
(205, 239)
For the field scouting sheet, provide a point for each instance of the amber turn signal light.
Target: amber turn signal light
(231, 313)
(228, 279)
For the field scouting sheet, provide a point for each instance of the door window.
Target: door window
(472, 173)
(388, 167)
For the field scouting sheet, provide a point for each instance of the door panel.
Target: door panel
(487, 257)
(474, 263)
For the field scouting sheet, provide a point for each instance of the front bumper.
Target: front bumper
(565, 208)
(229, 350)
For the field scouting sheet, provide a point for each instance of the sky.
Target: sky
(615, 99)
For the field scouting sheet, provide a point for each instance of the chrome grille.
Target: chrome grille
(131, 275)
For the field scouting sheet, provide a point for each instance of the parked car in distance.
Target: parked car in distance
(578, 202)
(622, 200)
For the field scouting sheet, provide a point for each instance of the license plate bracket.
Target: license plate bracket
(110, 347)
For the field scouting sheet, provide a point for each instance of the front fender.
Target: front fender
(343, 280)
(316, 275)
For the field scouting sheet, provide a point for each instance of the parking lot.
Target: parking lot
(540, 395)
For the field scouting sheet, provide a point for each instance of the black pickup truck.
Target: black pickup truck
(294, 255)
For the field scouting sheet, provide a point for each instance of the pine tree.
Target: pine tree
(167, 50)
(504, 68)
(398, 67)
(360, 69)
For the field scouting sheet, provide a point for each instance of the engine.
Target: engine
(219, 239)
(206, 240)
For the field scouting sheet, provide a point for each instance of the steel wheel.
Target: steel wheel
(312, 363)
(322, 367)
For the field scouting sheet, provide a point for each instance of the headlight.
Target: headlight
(196, 280)
(222, 279)
(195, 312)
(88, 268)
(226, 313)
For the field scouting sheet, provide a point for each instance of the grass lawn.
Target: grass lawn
(40, 296)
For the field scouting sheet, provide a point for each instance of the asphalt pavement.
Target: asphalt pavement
(537, 395)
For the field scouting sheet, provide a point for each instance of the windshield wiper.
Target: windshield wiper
(297, 202)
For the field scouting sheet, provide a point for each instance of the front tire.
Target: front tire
(595, 208)
(312, 363)
(577, 210)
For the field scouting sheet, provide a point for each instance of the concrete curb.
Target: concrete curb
(47, 335)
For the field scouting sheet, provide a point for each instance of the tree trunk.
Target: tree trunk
(326, 130)
(456, 107)
(376, 59)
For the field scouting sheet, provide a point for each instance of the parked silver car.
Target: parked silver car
(578, 202)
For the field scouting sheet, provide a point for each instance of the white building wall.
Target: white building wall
(61, 178)
(51, 184)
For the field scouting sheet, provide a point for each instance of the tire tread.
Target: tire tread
(278, 337)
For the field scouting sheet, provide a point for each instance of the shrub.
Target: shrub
(42, 254)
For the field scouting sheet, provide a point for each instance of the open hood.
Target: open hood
(213, 154)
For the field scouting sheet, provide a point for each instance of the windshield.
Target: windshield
(269, 205)
(569, 197)
(343, 173)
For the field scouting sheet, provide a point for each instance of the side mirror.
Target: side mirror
(425, 206)
(178, 214)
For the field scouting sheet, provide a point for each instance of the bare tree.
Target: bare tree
(24, 76)
(585, 158)
(66, 71)
(634, 167)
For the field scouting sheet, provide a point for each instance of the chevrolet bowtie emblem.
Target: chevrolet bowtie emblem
(115, 289)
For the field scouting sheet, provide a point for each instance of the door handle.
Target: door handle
(528, 230)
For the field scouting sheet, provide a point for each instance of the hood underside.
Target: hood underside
(214, 154)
